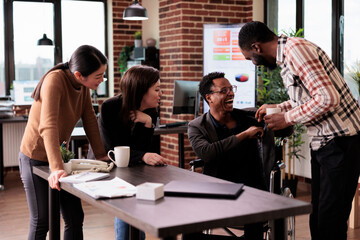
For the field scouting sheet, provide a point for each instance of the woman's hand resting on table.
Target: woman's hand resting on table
(138, 116)
(153, 159)
(54, 177)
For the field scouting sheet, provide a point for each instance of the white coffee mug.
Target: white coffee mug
(122, 156)
(272, 110)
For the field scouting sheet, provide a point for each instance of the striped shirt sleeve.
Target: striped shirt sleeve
(303, 61)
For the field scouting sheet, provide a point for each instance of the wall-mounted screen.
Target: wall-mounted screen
(222, 54)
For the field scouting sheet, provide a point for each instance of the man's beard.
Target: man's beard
(260, 60)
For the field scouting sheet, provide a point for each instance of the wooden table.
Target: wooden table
(169, 216)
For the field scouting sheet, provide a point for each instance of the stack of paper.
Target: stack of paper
(6, 109)
(84, 177)
(107, 189)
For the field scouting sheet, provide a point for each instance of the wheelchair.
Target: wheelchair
(275, 186)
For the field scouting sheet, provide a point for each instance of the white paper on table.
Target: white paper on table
(107, 189)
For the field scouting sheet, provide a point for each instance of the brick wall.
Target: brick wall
(123, 35)
(181, 50)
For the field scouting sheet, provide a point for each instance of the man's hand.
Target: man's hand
(254, 132)
(54, 177)
(261, 112)
(153, 159)
(276, 121)
(251, 132)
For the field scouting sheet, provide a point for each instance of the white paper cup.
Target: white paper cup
(122, 156)
(272, 110)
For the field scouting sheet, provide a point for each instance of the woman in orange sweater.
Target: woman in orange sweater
(62, 97)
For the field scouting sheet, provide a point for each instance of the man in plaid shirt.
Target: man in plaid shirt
(321, 100)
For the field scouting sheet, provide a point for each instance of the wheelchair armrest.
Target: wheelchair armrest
(196, 163)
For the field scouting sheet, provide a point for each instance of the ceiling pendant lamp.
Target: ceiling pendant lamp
(44, 41)
(135, 12)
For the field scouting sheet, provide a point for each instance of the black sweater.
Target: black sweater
(114, 133)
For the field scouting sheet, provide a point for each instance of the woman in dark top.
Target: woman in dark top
(129, 120)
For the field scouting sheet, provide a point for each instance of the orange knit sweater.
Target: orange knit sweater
(63, 101)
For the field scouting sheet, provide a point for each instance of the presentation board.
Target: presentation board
(222, 54)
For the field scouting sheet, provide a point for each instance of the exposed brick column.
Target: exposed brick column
(181, 53)
(123, 35)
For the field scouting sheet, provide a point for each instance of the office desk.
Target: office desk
(169, 216)
(175, 130)
(79, 134)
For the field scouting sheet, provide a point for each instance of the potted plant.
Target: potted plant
(354, 73)
(138, 39)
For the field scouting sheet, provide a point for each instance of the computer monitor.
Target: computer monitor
(23, 90)
(186, 97)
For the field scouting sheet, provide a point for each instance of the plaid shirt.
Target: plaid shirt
(319, 97)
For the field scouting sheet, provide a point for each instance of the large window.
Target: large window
(331, 24)
(317, 24)
(31, 21)
(351, 42)
(321, 20)
(83, 27)
(68, 23)
(286, 16)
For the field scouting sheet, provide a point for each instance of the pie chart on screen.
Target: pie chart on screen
(242, 77)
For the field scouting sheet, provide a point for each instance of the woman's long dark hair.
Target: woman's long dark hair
(86, 60)
(133, 86)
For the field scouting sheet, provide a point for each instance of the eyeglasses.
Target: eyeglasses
(226, 90)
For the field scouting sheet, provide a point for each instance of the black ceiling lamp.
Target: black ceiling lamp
(44, 41)
(135, 12)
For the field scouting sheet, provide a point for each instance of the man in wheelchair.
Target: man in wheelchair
(226, 139)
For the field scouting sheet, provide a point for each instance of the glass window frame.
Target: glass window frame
(9, 34)
(337, 33)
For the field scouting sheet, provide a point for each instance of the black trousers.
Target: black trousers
(335, 172)
(36, 190)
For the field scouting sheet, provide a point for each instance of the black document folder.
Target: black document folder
(203, 189)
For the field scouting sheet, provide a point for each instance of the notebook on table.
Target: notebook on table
(203, 189)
